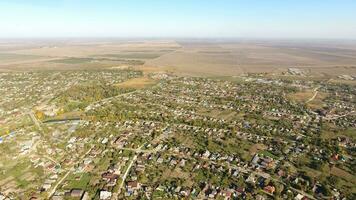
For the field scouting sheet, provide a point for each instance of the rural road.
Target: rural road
(51, 193)
(34, 119)
(115, 195)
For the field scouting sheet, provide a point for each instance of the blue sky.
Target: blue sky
(179, 18)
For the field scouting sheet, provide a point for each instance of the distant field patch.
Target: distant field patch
(215, 52)
(73, 60)
(141, 82)
(9, 57)
(149, 51)
(347, 82)
(136, 55)
(97, 61)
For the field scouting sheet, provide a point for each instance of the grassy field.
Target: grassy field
(79, 181)
(137, 83)
(306, 96)
(333, 134)
(302, 96)
(343, 174)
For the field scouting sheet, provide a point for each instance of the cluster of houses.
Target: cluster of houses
(140, 145)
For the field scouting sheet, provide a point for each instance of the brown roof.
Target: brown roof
(132, 184)
(108, 175)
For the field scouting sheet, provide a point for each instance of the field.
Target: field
(137, 83)
(232, 58)
(57, 55)
(10, 57)
(186, 57)
(310, 98)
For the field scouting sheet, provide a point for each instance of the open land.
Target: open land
(186, 57)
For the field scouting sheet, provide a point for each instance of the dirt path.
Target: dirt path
(51, 193)
(313, 97)
(115, 195)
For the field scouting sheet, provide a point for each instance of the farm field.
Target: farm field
(185, 57)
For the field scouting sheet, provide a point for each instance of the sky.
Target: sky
(324, 19)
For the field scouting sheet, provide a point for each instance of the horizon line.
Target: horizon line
(174, 38)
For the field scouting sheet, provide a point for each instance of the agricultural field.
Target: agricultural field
(186, 57)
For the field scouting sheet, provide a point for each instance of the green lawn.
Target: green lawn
(79, 184)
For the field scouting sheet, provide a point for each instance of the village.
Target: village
(84, 136)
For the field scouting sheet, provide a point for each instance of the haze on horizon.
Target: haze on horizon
(330, 19)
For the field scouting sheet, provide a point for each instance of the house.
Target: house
(240, 190)
(300, 197)
(225, 193)
(46, 186)
(160, 160)
(269, 189)
(255, 159)
(211, 193)
(57, 197)
(281, 173)
(76, 193)
(260, 197)
(86, 196)
(107, 176)
(206, 154)
(132, 186)
(184, 193)
(251, 179)
(104, 141)
(105, 195)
